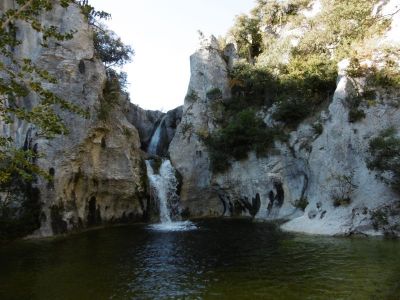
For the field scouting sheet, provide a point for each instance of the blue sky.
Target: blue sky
(163, 34)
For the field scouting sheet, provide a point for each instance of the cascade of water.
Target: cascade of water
(164, 186)
(155, 139)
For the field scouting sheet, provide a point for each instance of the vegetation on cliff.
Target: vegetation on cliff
(289, 53)
(20, 77)
(112, 52)
(385, 157)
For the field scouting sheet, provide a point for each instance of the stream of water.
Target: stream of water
(155, 139)
(164, 189)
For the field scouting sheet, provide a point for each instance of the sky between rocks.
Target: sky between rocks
(164, 34)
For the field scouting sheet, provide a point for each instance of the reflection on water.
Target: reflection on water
(222, 259)
(173, 226)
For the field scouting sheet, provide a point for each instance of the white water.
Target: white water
(174, 226)
(164, 188)
(155, 139)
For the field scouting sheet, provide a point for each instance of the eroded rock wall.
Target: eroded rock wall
(296, 181)
(98, 169)
(187, 151)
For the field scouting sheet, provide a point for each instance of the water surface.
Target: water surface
(221, 259)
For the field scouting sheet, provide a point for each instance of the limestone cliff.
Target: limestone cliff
(98, 168)
(296, 181)
(188, 153)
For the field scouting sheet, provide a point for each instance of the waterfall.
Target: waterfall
(164, 189)
(164, 186)
(155, 139)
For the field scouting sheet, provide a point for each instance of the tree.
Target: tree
(384, 152)
(108, 46)
(248, 37)
(110, 49)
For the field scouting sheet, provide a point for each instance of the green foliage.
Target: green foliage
(192, 96)
(214, 94)
(301, 203)
(91, 13)
(345, 24)
(111, 97)
(318, 128)
(341, 201)
(121, 77)
(342, 189)
(305, 83)
(385, 157)
(127, 132)
(379, 219)
(109, 47)
(21, 165)
(19, 221)
(387, 76)
(311, 75)
(291, 111)
(297, 88)
(300, 84)
(252, 86)
(248, 37)
(275, 13)
(243, 133)
(20, 77)
(186, 128)
(356, 114)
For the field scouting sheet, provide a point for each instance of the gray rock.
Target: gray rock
(188, 154)
(145, 121)
(98, 170)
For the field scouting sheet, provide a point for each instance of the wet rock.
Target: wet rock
(312, 214)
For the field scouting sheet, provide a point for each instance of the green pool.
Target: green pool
(221, 259)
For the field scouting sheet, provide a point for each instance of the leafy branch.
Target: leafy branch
(19, 78)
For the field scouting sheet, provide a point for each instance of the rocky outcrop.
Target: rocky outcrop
(188, 154)
(341, 150)
(98, 173)
(98, 170)
(297, 181)
(307, 171)
(164, 132)
(145, 121)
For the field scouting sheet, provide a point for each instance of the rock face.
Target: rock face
(99, 173)
(98, 170)
(297, 181)
(342, 150)
(188, 154)
(164, 132)
(307, 168)
(145, 121)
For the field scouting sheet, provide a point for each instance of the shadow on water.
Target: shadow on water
(222, 259)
